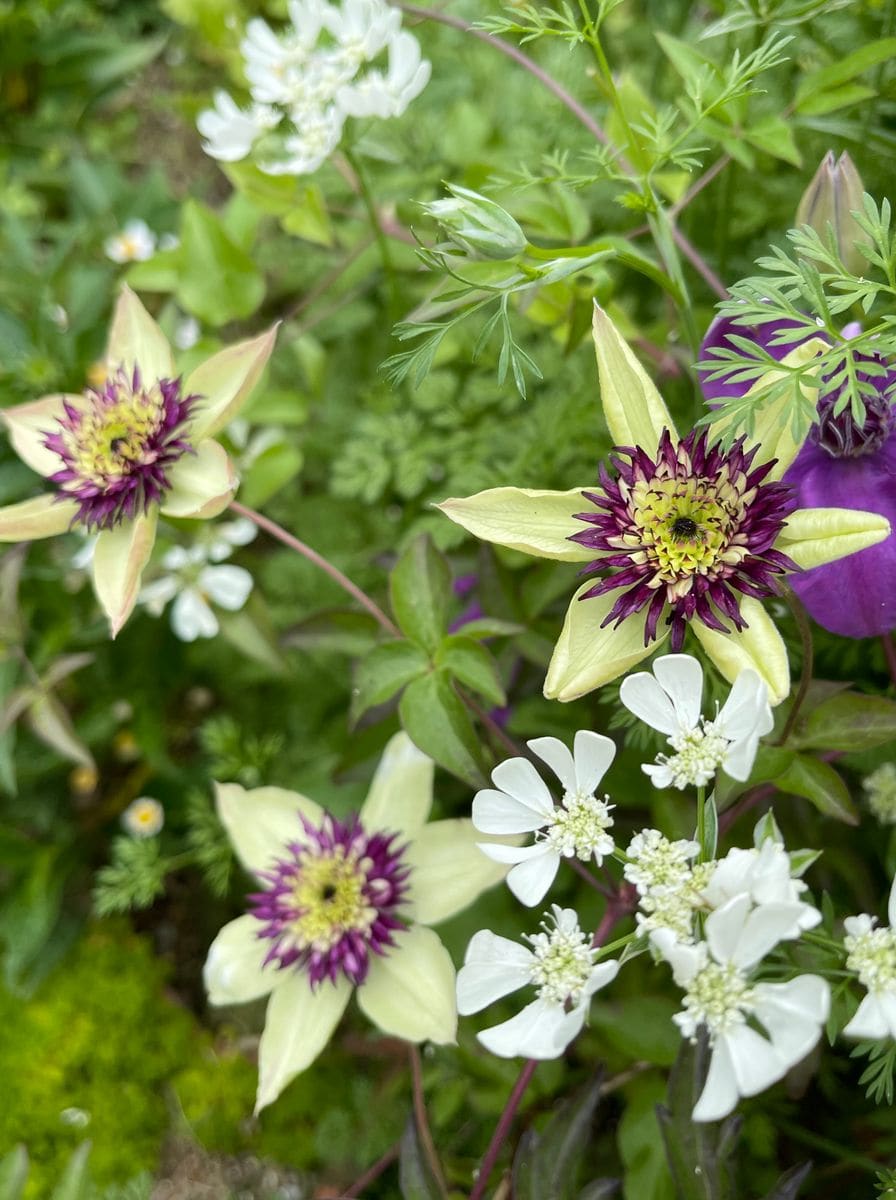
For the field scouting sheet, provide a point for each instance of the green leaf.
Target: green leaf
(846, 69)
(309, 218)
(639, 1027)
(488, 627)
(75, 1181)
(416, 1179)
(831, 100)
(420, 588)
(775, 136)
(13, 1174)
(275, 194)
(250, 632)
(546, 1165)
(437, 722)
(788, 1185)
(340, 631)
(819, 782)
(123, 61)
(271, 471)
(384, 672)
(640, 1146)
(218, 281)
(471, 664)
(848, 722)
(710, 828)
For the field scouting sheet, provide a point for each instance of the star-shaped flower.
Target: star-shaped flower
(345, 905)
(137, 445)
(694, 534)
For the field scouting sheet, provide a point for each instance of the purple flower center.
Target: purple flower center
(332, 900)
(684, 532)
(117, 444)
(844, 437)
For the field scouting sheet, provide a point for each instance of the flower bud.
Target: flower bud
(834, 193)
(477, 224)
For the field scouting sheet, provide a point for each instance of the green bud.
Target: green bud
(477, 224)
(834, 193)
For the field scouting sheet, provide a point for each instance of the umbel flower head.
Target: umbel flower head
(843, 461)
(139, 444)
(695, 536)
(345, 904)
(871, 953)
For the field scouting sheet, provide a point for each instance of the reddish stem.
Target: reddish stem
(502, 1129)
(373, 1172)
(889, 654)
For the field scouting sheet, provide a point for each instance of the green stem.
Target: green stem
(366, 194)
(701, 823)
(802, 624)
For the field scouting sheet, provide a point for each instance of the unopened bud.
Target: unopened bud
(477, 224)
(830, 199)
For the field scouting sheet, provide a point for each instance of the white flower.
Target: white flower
(576, 827)
(229, 131)
(880, 789)
(317, 136)
(670, 701)
(193, 584)
(362, 28)
(345, 905)
(765, 875)
(667, 884)
(225, 536)
(560, 965)
(186, 333)
(722, 996)
(143, 817)
(135, 243)
(871, 953)
(378, 95)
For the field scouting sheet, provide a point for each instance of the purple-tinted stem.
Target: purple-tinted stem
(421, 1119)
(889, 654)
(325, 565)
(582, 870)
(372, 1173)
(502, 1129)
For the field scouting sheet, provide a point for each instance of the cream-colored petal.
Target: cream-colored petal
(261, 821)
(28, 426)
(400, 795)
(298, 1024)
(410, 992)
(535, 522)
(449, 870)
(202, 484)
(234, 972)
(136, 340)
(587, 656)
(635, 412)
(772, 430)
(759, 648)
(118, 561)
(814, 536)
(44, 516)
(225, 381)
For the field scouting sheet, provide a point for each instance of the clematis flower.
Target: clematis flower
(577, 827)
(669, 701)
(871, 953)
(561, 966)
(695, 535)
(722, 996)
(345, 906)
(842, 462)
(140, 444)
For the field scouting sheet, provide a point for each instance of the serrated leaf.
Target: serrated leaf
(848, 722)
(472, 665)
(416, 1180)
(819, 782)
(384, 672)
(13, 1174)
(437, 722)
(420, 588)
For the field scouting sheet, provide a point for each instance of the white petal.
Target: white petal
(738, 759)
(518, 778)
(757, 1065)
(228, 586)
(793, 1014)
(684, 960)
(593, 755)
(448, 871)
(604, 973)
(643, 696)
(262, 821)
(233, 972)
(410, 992)
(529, 881)
(725, 926)
(493, 967)
(719, 1095)
(400, 795)
(43, 516)
(541, 1030)
(764, 928)
(496, 812)
(558, 757)
(870, 1021)
(28, 425)
(891, 905)
(191, 617)
(298, 1025)
(681, 678)
(746, 711)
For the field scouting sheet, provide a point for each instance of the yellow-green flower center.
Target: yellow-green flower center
(110, 440)
(329, 897)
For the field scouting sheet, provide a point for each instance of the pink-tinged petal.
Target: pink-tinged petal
(534, 522)
(233, 971)
(493, 967)
(400, 795)
(225, 381)
(587, 656)
(262, 821)
(298, 1025)
(28, 426)
(633, 408)
(41, 517)
(118, 561)
(759, 647)
(202, 484)
(410, 992)
(136, 340)
(448, 871)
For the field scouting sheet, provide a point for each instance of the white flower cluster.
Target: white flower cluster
(305, 81)
(195, 581)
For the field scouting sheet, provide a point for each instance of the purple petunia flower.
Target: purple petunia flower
(842, 464)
